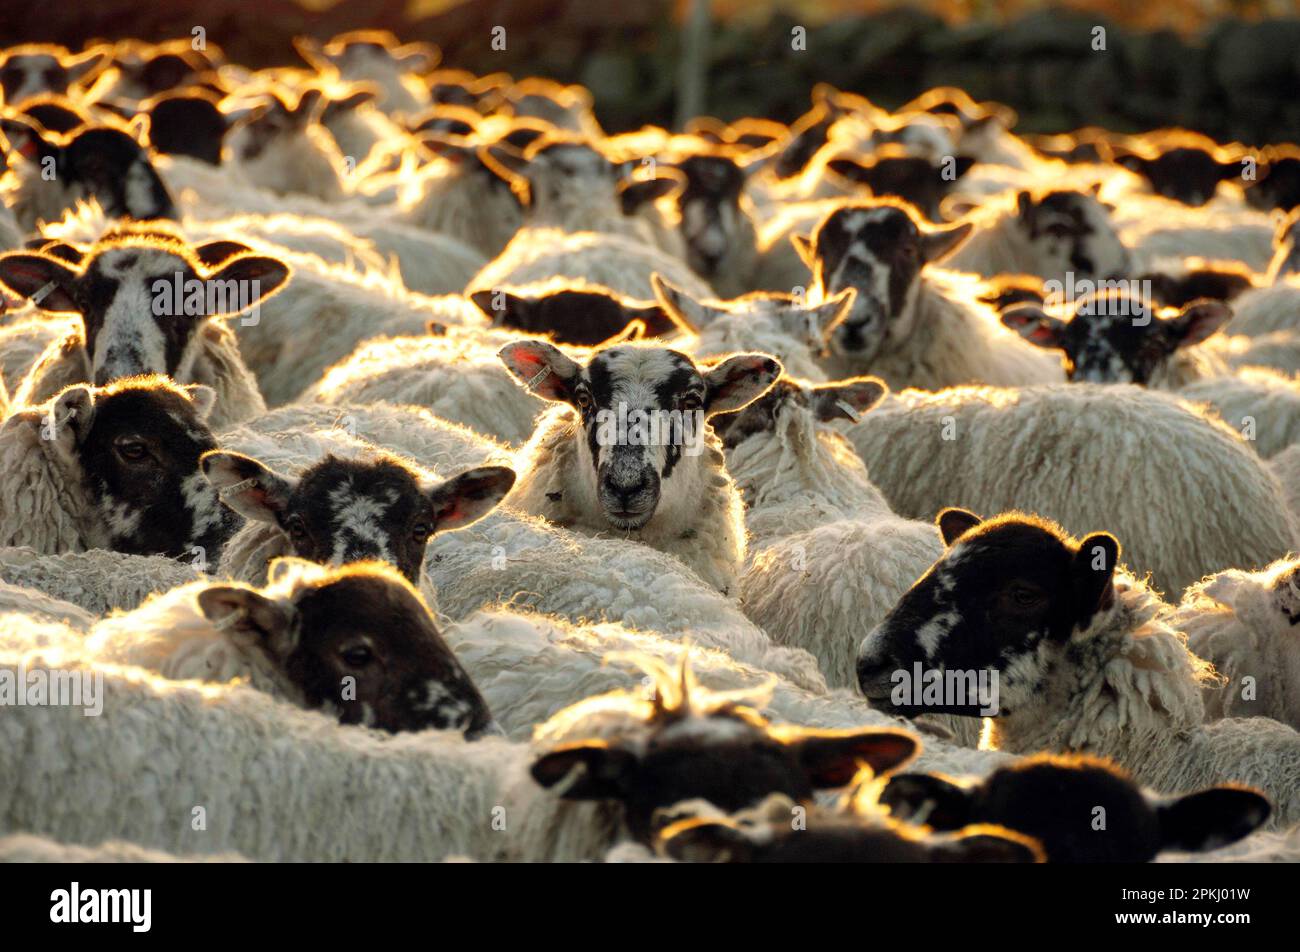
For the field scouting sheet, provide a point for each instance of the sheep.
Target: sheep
(1082, 657)
(356, 641)
(354, 124)
(136, 70)
(911, 325)
(283, 148)
(189, 123)
(374, 56)
(34, 604)
(345, 509)
(825, 558)
(1187, 492)
(1158, 229)
(1179, 164)
(1267, 310)
(574, 312)
(1048, 234)
(1285, 467)
(25, 338)
(112, 467)
(138, 293)
(456, 375)
(787, 327)
(1179, 283)
(1055, 799)
(1278, 182)
(26, 848)
(1261, 404)
(627, 423)
(1241, 622)
(34, 68)
(765, 833)
(98, 581)
(102, 163)
(716, 220)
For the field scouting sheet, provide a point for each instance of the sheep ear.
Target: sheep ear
(203, 397)
(498, 305)
(834, 758)
(213, 253)
(739, 380)
(542, 368)
(499, 156)
(846, 399)
(84, 65)
(987, 844)
(850, 169)
(954, 523)
(62, 250)
(464, 499)
(828, 314)
(309, 49)
(587, 770)
(1024, 205)
(1093, 570)
(248, 486)
(263, 274)
(805, 248)
(1211, 818)
(694, 314)
(47, 281)
(417, 57)
(250, 619)
(705, 841)
(938, 243)
(633, 194)
(1197, 321)
(928, 798)
(26, 140)
(71, 414)
(1034, 325)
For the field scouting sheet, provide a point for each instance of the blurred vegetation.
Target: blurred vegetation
(1214, 65)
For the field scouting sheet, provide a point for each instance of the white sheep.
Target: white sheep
(1183, 488)
(826, 558)
(98, 580)
(1261, 404)
(628, 448)
(283, 148)
(1243, 624)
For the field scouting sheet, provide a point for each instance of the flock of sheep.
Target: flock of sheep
(305, 376)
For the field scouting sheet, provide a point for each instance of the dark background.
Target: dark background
(1231, 77)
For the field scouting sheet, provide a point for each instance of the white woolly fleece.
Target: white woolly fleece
(99, 580)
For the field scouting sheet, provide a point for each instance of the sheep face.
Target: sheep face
(55, 113)
(358, 642)
(1184, 174)
(572, 315)
(788, 401)
(28, 71)
(1055, 798)
(1221, 282)
(1005, 598)
(730, 758)
(142, 297)
(341, 511)
(147, 70)
(766, 834)
(1114, 338)
(917, 179)
(100, 163)
(273, 121)
(369, 55)
(190, 125)
(642, 411)
(709, 205)
(1070, 232)
(879, 250)
(137, 445)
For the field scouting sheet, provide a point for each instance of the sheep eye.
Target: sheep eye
(421, 533)
(691, 402)
(358, 656)
(132, 450)
(1058, 231)
(584, 401)
(1024, 597)
(297, 529)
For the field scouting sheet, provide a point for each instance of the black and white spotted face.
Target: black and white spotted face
(1114, 338)
(710, 210)
(101, 163)
(573, 316)
(729, 759)
(27, 71)
(1184, 174)
(1071, 234)
(125, 289)
(359, 642)
(642, 411)
(878, 249)
(1055, 799)
(137, 444)
(1278, 183)
(1005, 597)
(341, 511)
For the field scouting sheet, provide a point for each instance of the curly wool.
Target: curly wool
(1261, 404)
(1261, 311)
(1182, 491)
(1241, 623)
(1129, 689)
(43, 502)
(99, 580)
